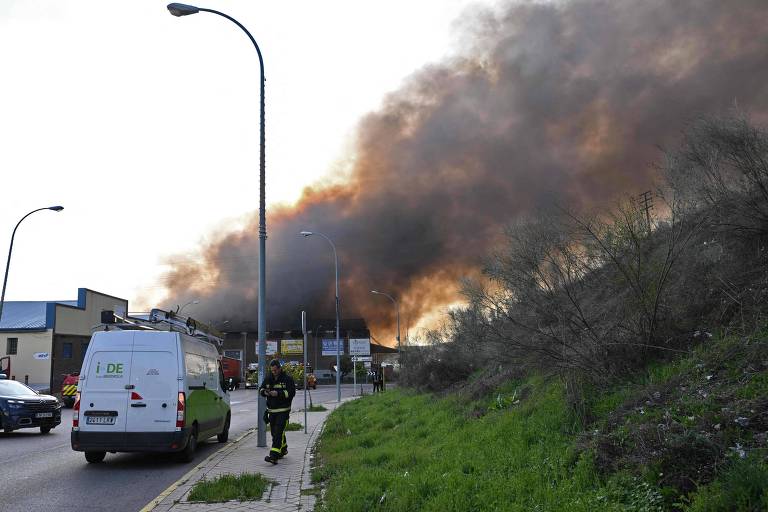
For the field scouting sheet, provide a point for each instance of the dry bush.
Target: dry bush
(723, 162)
(595, 296)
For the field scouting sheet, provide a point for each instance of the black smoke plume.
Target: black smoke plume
(551, 102)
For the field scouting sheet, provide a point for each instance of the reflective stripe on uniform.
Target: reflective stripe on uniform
(286, 393)
(284, 409)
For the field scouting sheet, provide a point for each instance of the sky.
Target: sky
(410, 133)
(144, 126)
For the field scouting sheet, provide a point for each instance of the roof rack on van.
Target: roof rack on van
(160, 320)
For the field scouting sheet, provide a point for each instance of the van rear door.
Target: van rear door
(154, 377)
(104, 396)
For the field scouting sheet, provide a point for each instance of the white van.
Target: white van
(149, 391)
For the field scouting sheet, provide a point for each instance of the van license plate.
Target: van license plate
(100, 420)
(44, 415)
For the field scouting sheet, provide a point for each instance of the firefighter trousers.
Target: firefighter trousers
(277, 423)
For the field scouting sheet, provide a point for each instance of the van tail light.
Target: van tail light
(76, 413)
(181, 410)
(136, 396)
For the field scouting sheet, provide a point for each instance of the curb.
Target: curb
(185, 478)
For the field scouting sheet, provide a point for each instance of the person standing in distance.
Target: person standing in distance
(279, 389)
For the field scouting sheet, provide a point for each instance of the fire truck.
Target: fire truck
(231, 369)
(69, 388)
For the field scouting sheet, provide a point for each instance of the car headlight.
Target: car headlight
(15, 404)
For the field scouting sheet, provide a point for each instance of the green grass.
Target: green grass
(291, 426)
(247, 486)
(742, 486)
(398, 451)
(316, 408)
(662, 439)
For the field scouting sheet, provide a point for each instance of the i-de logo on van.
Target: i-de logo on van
(111, 370)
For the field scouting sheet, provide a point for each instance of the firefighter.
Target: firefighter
(279, 389)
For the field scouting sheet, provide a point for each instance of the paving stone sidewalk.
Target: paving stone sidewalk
(291, 474)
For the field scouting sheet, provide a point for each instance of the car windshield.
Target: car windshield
(11, 387)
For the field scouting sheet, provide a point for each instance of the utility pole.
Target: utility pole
(646, 204)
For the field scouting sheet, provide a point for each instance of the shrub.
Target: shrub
(743, 487)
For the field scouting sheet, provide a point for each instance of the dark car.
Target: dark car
(23, 407)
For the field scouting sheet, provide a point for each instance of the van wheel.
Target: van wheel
(188, 453)
(222, 438)
(95, 457)
(45, 430)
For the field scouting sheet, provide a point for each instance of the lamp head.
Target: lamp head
(306, 233)
(56, 208)
(182, 9)
(374, 291)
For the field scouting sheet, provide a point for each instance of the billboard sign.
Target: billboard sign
(271, 348)
(329, 347)
(234, 354)
(360, 346)
(292, 346)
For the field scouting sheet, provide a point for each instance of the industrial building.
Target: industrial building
(288, 345)
(43, 340)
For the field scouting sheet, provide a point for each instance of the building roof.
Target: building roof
(27, 315)
(348, 327)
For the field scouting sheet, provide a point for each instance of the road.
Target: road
(43, 473)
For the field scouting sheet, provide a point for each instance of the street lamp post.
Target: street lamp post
(184, 10)
(338, 348)
(10, 250)
(243, 369)
(397, 308)
(179, 309)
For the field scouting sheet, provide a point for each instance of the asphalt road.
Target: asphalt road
(43, 473)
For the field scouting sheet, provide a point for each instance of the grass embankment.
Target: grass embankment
(695, 428)
(686, 435)
(396, 451)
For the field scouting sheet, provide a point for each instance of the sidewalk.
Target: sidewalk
(291, 474)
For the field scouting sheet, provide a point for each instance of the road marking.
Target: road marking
(159, 499)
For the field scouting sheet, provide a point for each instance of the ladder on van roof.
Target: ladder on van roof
(160, 320)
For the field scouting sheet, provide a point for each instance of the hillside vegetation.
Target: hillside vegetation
(611, 360)
(686, 435)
